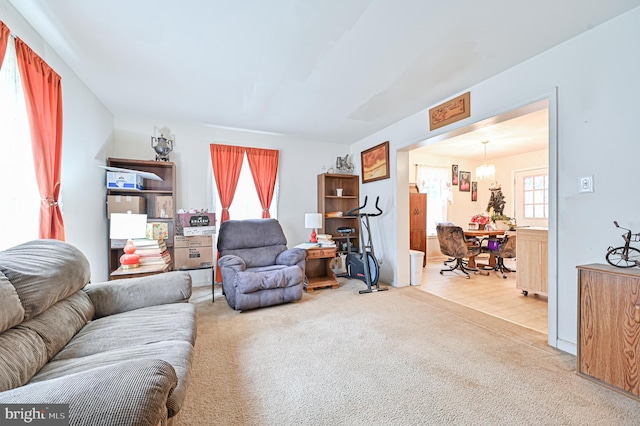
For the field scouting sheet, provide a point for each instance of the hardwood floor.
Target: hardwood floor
(490, 294)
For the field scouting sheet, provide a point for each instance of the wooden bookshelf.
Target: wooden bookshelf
(329, 202)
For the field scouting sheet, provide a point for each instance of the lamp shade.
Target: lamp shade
(486, 172)
(128, 225)
(312, 220)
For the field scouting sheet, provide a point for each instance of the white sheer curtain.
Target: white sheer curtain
(20, 206)
(434, 181)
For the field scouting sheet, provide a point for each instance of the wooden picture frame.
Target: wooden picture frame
(375, 163)
(454, 174)
(474, 191)
(465, 182)
(451, 111)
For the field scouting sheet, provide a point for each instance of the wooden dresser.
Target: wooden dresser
(418, 221)
(609, 327)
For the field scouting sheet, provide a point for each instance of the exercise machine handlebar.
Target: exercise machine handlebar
(355, 211)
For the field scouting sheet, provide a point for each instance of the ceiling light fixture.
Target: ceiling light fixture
(486, 171)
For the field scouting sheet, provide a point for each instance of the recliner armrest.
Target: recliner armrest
(233, 262)
(291, 257)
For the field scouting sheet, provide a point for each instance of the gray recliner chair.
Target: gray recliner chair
(257, 268)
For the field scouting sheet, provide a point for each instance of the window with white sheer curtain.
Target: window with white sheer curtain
(20, 205)
(434, 181)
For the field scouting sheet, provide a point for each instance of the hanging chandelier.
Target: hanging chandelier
(486, 171)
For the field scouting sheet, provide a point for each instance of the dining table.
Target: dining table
(480, 234)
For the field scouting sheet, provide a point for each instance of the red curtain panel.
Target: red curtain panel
(43, 91)
(4, 39)
(264, 169)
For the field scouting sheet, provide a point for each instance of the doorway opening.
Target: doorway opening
(518, 141)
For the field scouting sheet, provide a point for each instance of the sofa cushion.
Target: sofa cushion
(177, 353)
(22, 353)
(164, 332)
(43, 272)
(27, 347)
(147, 325)
(101, 397)
(11, 310)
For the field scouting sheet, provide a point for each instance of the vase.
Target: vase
(503, 225)
(481, 226)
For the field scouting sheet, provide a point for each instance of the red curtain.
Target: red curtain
(264, 169)
(4, 39)
(43, 92)
(227, 162)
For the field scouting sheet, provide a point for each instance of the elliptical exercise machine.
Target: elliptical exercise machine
(362, 265)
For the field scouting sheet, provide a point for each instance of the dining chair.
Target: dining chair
(454, 244)
(502, 248)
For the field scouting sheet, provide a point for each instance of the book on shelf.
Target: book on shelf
(155, 259)
(326, 244)
(325, 240)
(149, 245)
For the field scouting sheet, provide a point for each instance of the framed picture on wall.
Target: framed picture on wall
(454, 174)
(465, 181)
(474, 191)
(375, 163)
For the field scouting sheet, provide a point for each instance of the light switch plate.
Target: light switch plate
(586, 184)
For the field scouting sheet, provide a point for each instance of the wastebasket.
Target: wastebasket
(417, 258)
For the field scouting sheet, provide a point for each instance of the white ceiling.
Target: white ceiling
(331, 70)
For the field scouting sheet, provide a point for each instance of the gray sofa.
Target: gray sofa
(119, 353)
(257, 268)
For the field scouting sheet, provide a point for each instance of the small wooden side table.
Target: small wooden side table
(318, 268)
(140, 271)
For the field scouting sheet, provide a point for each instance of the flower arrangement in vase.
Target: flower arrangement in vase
(481, 219)
(503, 222)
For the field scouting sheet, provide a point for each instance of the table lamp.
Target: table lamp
(313, 221)
(126, 226)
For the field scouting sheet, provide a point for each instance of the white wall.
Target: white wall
(595, 75)
(300, 163)
(87, 135)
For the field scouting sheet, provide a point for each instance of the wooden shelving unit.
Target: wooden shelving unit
(167, 187)
(329, 202)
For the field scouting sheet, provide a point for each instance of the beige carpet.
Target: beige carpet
(400, 357)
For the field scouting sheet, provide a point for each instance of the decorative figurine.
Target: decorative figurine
(163, 145)
(344, 165)
(496, 202)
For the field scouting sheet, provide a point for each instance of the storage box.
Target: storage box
(193, 252)
(125, 203)
(188, 220)
(198, 230)
(124, 180)
(160, 206)
(157, 230)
